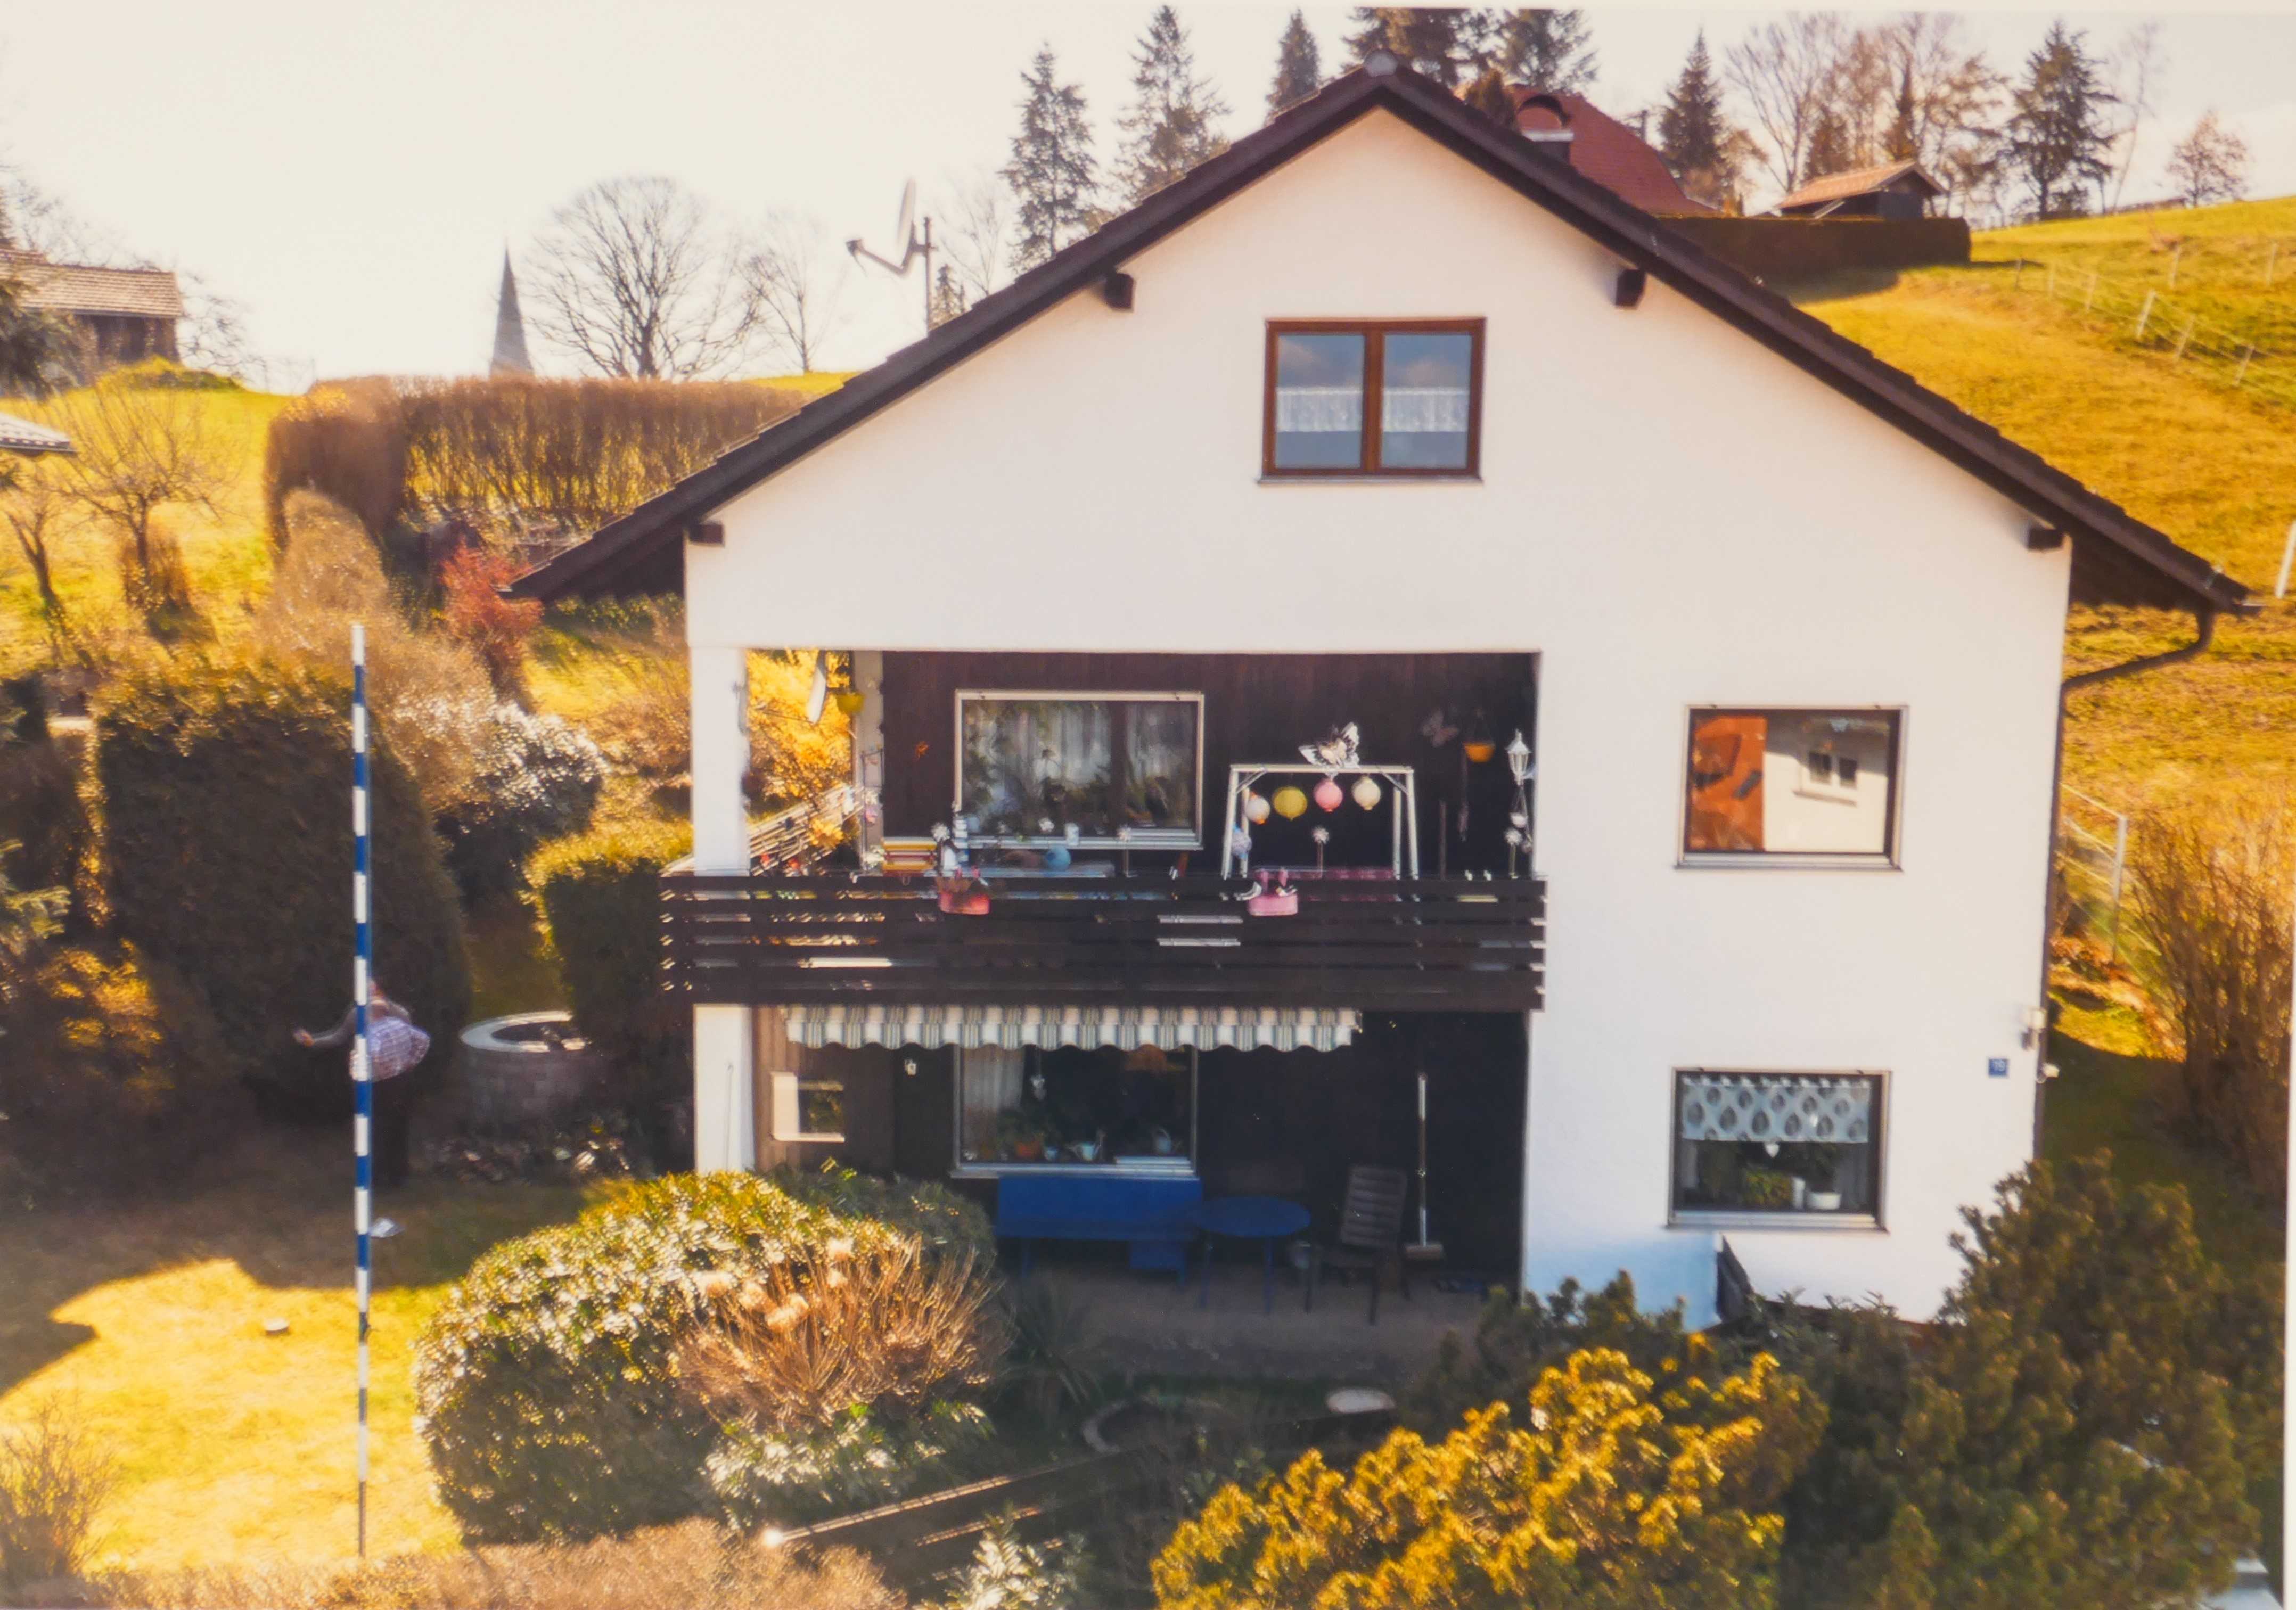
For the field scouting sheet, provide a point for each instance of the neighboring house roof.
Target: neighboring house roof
(2115, 553)
(22, 436)
(144, 293)
(1858, 182)
(1606, 150)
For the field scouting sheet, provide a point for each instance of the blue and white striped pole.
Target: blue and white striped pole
(362, 1058)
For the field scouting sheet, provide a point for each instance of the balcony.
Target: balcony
(1458, 943)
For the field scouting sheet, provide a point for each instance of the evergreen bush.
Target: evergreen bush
(545, 1384)
(535, 778)
(227, 834)
(859, 1460)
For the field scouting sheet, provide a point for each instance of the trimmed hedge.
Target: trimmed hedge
(604, 922)
(227, 831)
(544, 1383)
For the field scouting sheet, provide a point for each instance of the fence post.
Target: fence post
(2145, 315)
(2089, 300)
(2241, 373)
(2287, 553)
(2184, 339)
(2271, 256)
(2119, 866)
(2017, 278)
(2176, 261)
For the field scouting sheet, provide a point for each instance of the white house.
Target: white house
(1388, 417)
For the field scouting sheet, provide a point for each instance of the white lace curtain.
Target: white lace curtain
(1402, 409)
(1756, 1106)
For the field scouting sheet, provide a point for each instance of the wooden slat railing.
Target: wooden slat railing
(1456, 944)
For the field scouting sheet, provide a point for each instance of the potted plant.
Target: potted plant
(1020, 1137)
(1814, 1167)
(962, 893)
(1766, 1187)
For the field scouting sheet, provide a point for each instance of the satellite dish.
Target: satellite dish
(904, 228)
(906, 242)
(816, 697)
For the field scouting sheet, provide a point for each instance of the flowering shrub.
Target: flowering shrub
(537, 778)
(858, 1461)
(496, 628)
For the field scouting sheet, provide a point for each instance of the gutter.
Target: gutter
(2204, 626)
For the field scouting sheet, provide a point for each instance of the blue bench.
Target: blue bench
(1149, 1213)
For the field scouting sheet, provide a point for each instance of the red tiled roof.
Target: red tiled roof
(1607, 152)
(148, 293)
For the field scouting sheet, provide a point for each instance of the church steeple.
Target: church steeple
(509, 329)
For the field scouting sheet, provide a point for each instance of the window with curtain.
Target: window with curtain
(1095, 769)
(1783, 1143)
(1379, 397)
(1075, 1105)
(1791, 782)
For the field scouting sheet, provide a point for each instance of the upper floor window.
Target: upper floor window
(1099, 768)
(1791, 782)
(1392, 396)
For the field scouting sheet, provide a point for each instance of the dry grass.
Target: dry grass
(792, 1349)
(53, 1479)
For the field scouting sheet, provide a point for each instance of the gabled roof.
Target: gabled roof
(1858, 182)
(143, 293)
(1606, 150)
(2116, 555)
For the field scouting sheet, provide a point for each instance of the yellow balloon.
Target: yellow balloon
(1291, 803)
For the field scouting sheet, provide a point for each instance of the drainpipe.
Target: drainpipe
(2204, 623)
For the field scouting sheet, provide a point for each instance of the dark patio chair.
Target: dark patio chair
(1371, 1233)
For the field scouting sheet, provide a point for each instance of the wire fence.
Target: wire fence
(2093, 868)
(2146, 318)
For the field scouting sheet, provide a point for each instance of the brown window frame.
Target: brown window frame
(1374, 377)
(1886, 858)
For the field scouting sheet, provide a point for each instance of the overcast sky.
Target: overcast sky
(351, 174)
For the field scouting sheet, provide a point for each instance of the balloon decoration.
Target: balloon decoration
(1255, 807)
(1057, 858)
(1328, 796)
(1290, 804)
(1368, 793)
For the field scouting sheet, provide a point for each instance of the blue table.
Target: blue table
(1266, 1220)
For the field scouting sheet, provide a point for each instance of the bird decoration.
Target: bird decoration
(1335, 752)
(1437, 730)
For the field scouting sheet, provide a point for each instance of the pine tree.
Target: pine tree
(1489, 95)
(1446, 44)
(1299, 67)
(1545, 50)
(1170, 125)
(1054, 177)
(949, 297)
(1830, 151)
(2058, 141)
(1695, 136)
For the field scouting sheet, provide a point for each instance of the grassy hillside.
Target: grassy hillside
(2172, 441)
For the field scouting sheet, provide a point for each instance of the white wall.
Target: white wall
(1655, 487)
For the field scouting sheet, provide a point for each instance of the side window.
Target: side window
(1788, 783)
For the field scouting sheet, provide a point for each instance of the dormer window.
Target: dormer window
(1376, 398)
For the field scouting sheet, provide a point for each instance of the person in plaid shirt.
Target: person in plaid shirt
(397, 1045)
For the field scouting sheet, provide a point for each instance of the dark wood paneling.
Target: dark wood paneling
(1257, 707)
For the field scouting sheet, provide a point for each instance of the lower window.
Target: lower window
(1073, 1105)
(1777, 1143)
(806, 1108)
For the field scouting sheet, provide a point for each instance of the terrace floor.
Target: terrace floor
(1144, 1322)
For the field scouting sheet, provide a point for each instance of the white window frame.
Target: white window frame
(1891, 859)
(1130, 838)
(788, 1104)
(1779, 1219)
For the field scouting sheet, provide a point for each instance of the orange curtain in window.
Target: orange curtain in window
(1725, 782)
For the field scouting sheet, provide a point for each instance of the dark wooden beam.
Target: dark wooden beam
(2040, 539)
(1116, 289)
(1628, 291)
(706, 533)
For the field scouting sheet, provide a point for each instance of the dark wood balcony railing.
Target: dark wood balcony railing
(1415, 943)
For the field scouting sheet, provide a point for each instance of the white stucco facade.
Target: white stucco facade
(1658, 495)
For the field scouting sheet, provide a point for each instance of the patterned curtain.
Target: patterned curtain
(1756, 1106)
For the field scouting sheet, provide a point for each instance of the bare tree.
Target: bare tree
(33, 503)
(2211, 164)
(2140, 60)
(975, 222)
(1788, 72)
(139, 449)
(799, 280)
(635, 278)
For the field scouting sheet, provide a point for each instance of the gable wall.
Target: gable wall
(1669, 515)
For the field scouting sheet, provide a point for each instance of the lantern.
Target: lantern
(1255, 807)
(1328, 796)
(1366, 792)
(1290, 804)
(848, 700)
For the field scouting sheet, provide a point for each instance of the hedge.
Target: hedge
(544, 1385)
(602, 918)
(227, 831)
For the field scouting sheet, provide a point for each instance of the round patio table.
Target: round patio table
(1266, 1220)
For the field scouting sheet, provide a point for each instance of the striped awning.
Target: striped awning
(1125, 1027)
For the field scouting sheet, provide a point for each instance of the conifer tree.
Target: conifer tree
(1298, 66)
(1444, 43)
(1545, 50)
(1695, 134)
(949, 296)
(1054, 177)
(1172, 122)
(2058, 141)
(1489, 95)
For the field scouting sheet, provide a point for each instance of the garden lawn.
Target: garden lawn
(234, 1447)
